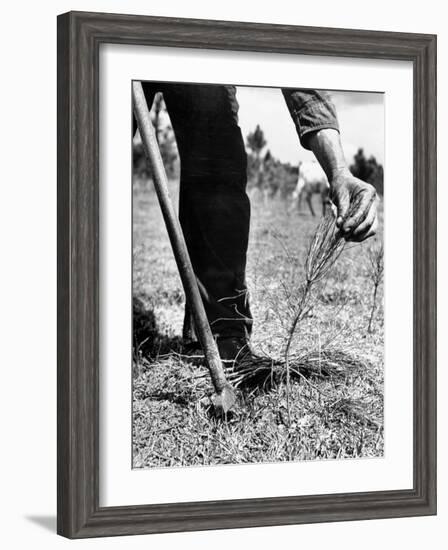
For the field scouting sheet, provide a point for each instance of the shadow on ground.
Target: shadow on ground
(148, 340)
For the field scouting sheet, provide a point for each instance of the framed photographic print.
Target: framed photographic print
(246, 274)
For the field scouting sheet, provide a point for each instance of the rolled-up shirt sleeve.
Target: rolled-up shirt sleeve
(310, 110)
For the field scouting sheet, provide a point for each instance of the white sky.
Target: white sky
(360, 114)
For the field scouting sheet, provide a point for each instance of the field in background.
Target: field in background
(330, 416)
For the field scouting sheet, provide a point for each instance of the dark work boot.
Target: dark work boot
(233, 349)
(244, 368)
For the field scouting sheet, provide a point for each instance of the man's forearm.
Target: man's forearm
(327, 148)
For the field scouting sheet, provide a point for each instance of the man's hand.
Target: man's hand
(356, 205)
(355, 200)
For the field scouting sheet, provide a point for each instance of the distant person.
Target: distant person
(214, 209)
(311, 181)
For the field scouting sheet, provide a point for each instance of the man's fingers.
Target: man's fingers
(367, 223)
(360, 207)
(369, 232)
(342, 201)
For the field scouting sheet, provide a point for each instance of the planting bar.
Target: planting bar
(224, 398)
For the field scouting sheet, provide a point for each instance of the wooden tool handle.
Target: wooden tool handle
(176, 236)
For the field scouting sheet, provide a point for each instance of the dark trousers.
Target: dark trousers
(214, 209)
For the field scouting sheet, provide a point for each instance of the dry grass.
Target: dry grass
(332, 406)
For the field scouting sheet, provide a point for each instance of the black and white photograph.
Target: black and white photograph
(221, 255)
(257, 276)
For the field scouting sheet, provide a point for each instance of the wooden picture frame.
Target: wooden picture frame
(79, 38)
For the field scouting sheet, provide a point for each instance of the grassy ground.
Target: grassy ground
(335, 411)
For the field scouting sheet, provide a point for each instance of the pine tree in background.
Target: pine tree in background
(256, 141)
(368, 170)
